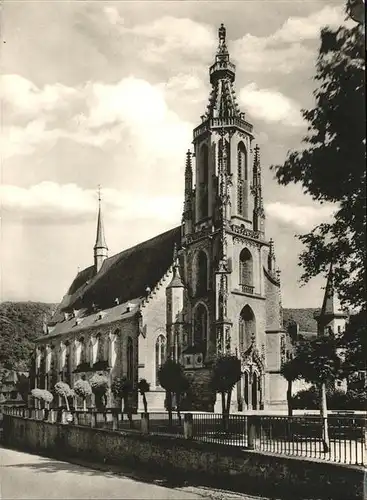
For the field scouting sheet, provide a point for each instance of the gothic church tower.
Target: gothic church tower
(232, 288)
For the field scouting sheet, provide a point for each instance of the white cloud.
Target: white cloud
(302, 216)
(167, 37)
(113, 15)
(52, 202)
(27, 98)
(285, 50)
(308, 28)
(270, 106)
(131, 110)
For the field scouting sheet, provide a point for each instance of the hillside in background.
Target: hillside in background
(20, 324)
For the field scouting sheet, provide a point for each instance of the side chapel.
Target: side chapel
(208, 286)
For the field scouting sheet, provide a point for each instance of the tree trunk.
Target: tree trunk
(145, 403)
(323, 412)
(67, 404)
(84, 404)
(127, 409)
(169, 406)
(229, 396)
(289, 398)
(224, 412)
(178, 407)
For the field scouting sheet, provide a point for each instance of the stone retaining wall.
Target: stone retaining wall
(291, 477)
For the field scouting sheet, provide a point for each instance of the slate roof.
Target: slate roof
(125, 275)
(86, 320)
(304, 318)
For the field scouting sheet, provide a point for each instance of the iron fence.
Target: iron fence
(303, 436)
(300, 436)
(160, 423)
(217, 428)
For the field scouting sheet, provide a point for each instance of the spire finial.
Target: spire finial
(222, 33)
(99, 192)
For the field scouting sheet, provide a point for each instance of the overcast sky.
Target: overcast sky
(108, 93)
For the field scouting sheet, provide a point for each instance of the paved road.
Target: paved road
(25, 476)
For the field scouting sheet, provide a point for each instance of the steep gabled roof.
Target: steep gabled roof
(125, 276)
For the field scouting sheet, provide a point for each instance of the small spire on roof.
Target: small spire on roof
(100, 247)
(176, 281)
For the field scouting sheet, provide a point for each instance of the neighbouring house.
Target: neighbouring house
(9, 386)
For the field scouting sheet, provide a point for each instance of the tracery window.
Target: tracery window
(202, 273)
(201, 328)
(160, 355)
(130, 359)
(246, 328)
(246, 268)
(203, 181)
(242, 181)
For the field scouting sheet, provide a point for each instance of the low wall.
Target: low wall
(239, 470)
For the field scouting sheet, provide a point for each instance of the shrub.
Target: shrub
(63, 389)
(83, 389)
(42, 395)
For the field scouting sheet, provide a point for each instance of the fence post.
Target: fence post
(145, 423)
(93, 418)
(52, 416)
(188, 421)
(115, 418)
(251, 431)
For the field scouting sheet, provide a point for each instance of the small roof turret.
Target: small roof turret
(176, 281)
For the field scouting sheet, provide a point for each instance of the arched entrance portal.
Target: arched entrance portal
(255, 391)
(251, 391)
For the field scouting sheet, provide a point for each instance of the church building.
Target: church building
(205, 287)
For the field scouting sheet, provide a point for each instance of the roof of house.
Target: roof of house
(303, 317)
(125, 276)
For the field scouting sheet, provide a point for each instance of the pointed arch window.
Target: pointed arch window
(202, 274)
(201, 328)
(246, 271)
(247, 328)
(242, 181)
(130, 359)
(83, 351)
(100, 348)
(203, 181)
(160, 355)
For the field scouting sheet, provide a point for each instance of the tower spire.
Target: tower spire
(100, 247)
(222, 102)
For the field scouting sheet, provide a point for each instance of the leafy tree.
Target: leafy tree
(143, 388)
(306, 399)
(226, 372)
(83, 389)
(319, 364)
(121, 388)
(290, 371)
(172, 378)
(354, 344)
(21, 323)
(22, 386)
(331, 166)
(63, 390)
(99, 384)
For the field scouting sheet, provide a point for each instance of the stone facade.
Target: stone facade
(209, 287)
